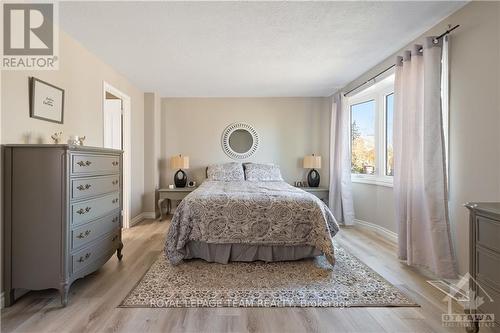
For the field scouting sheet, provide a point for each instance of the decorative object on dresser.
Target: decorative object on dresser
(46, 101)
(81, 140)
(321, 192)
(74, 140)
(484, 242)
(239, 141)
(170, 194)
(56, 137)
(180, 162)
(312, 162)
(62, 217)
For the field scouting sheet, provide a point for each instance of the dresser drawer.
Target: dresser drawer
(91, 187)
(98, 249)
(488, 233)
(89, 210)
(88, 232)
(94, 164)
(488, 266)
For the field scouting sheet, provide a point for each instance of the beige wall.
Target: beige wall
(474, 121)
(152, 123)
(374, 204)
(81, 75)
(289, 128)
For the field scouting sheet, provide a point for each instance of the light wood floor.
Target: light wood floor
(93, 301)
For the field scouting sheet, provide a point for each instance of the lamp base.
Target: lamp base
(180, 179)
(313, 178)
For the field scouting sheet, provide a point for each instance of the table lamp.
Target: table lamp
(312, 162)
(180, 162)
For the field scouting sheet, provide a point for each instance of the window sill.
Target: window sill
(372, 180)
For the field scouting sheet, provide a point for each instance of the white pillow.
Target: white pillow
(256, 172)
(226, 172)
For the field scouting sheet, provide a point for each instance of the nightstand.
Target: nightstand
(320, 192)
(170, 194)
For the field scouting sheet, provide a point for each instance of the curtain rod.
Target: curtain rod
(392, 66)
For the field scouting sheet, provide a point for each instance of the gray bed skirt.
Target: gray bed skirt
(224, 253)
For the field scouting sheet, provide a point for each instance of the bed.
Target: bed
(249, 220)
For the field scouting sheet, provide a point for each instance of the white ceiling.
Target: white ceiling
(191, 49)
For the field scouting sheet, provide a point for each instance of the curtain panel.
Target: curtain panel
(340, 198)
(420, 182)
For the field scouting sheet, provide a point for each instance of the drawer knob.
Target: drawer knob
(115, 200)
(84, 163)
(115, 182)
(115, 219)
(84, 187)
(83, 258)
(82, 211)
(115, 163)
(83, 234)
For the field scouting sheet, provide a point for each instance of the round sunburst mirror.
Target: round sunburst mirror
(240, 141)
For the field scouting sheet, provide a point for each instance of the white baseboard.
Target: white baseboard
(141, 217)
(387, 234)
(149, 215)
(136, 220)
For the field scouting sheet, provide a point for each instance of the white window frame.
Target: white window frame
(378, 93)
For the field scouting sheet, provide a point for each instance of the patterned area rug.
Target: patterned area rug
(304, 283)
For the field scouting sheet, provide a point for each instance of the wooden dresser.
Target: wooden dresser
(62, 215)
(485, 256)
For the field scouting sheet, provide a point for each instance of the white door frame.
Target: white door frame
(127, 144)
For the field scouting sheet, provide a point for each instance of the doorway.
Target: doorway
(116, 135)
(113, 121)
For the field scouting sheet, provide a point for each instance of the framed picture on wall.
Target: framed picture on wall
(46, 101)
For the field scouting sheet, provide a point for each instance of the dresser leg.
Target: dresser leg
(474, 325)
(119, 254)
(474, 328)
(64, 291)
(9, 297)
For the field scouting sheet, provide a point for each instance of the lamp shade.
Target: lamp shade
(179, 162)
(312, 162)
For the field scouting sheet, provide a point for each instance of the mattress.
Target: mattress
(250, 219)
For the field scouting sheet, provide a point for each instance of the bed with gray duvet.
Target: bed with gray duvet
(247, 216)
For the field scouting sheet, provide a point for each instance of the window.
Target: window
(389, 151)
(363, 138)
(372, 112)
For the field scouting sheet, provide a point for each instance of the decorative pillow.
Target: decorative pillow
(256, 172)
(226, 172)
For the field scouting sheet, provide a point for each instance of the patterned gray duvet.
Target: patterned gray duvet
(250, 213)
